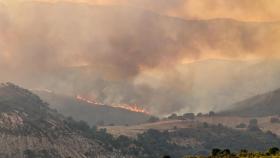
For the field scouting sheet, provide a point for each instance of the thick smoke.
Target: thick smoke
(120, 54)
(245, 10)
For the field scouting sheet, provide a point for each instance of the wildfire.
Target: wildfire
(90, 101)
(133, 107)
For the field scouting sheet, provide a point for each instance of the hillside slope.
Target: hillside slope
(261, 105)
(93, 114)
(29, 128)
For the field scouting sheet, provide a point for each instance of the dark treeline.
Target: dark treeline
(154, 143)
(226, 153)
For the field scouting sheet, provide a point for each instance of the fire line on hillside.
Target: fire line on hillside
(132, 107)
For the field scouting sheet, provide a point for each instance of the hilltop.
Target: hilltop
(29, 128)
(261, 105)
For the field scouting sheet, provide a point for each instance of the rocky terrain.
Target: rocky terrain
(29, 128)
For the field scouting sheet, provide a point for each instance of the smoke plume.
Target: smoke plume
(244, 10)
(127, 54)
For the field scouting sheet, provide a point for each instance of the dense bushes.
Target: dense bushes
(153, 119)
(274, 120)
(154, 143)
(218, 153)
(241, 125)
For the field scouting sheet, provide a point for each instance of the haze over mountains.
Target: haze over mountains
(29, 128)
(258, 106)
(120, 54)
(138, 78)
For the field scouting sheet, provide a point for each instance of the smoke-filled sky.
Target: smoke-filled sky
(245, 10)
(166, 55)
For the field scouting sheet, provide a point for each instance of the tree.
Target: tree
(253, 125)
(205, 125)
(216, 152)
(173, 116)
(122, 141)
(190, 116)
(153, 119)
(273, 151)
(253, 122)
(274, 120)
(82, 125)
(241, 125)
(243, 152)
(212, 113)
(29, 153)
(271, 134)
(226, 152)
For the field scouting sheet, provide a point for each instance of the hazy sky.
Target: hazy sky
(155, 53)
(246, 10)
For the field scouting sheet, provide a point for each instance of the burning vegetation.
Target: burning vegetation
(130, 107)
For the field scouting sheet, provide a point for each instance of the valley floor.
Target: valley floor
(264, 123)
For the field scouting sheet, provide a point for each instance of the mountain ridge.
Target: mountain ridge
(30, 128)
(265, 104)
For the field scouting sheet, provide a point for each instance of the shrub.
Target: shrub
(205, 125)
(199, 114)
(173, 116)
(253, 125)
(212, 113)
(190, 116)
(253, 122)
(216, 152)
(274, 120)
(241, 125)
(226, 152)
(243, 152)
(153, 119)
(273, 151)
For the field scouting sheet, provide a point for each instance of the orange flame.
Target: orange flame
(133, 107)
(78, 97)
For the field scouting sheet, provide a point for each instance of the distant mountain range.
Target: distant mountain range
(93, 114)
(267, 104)
(217, 84)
